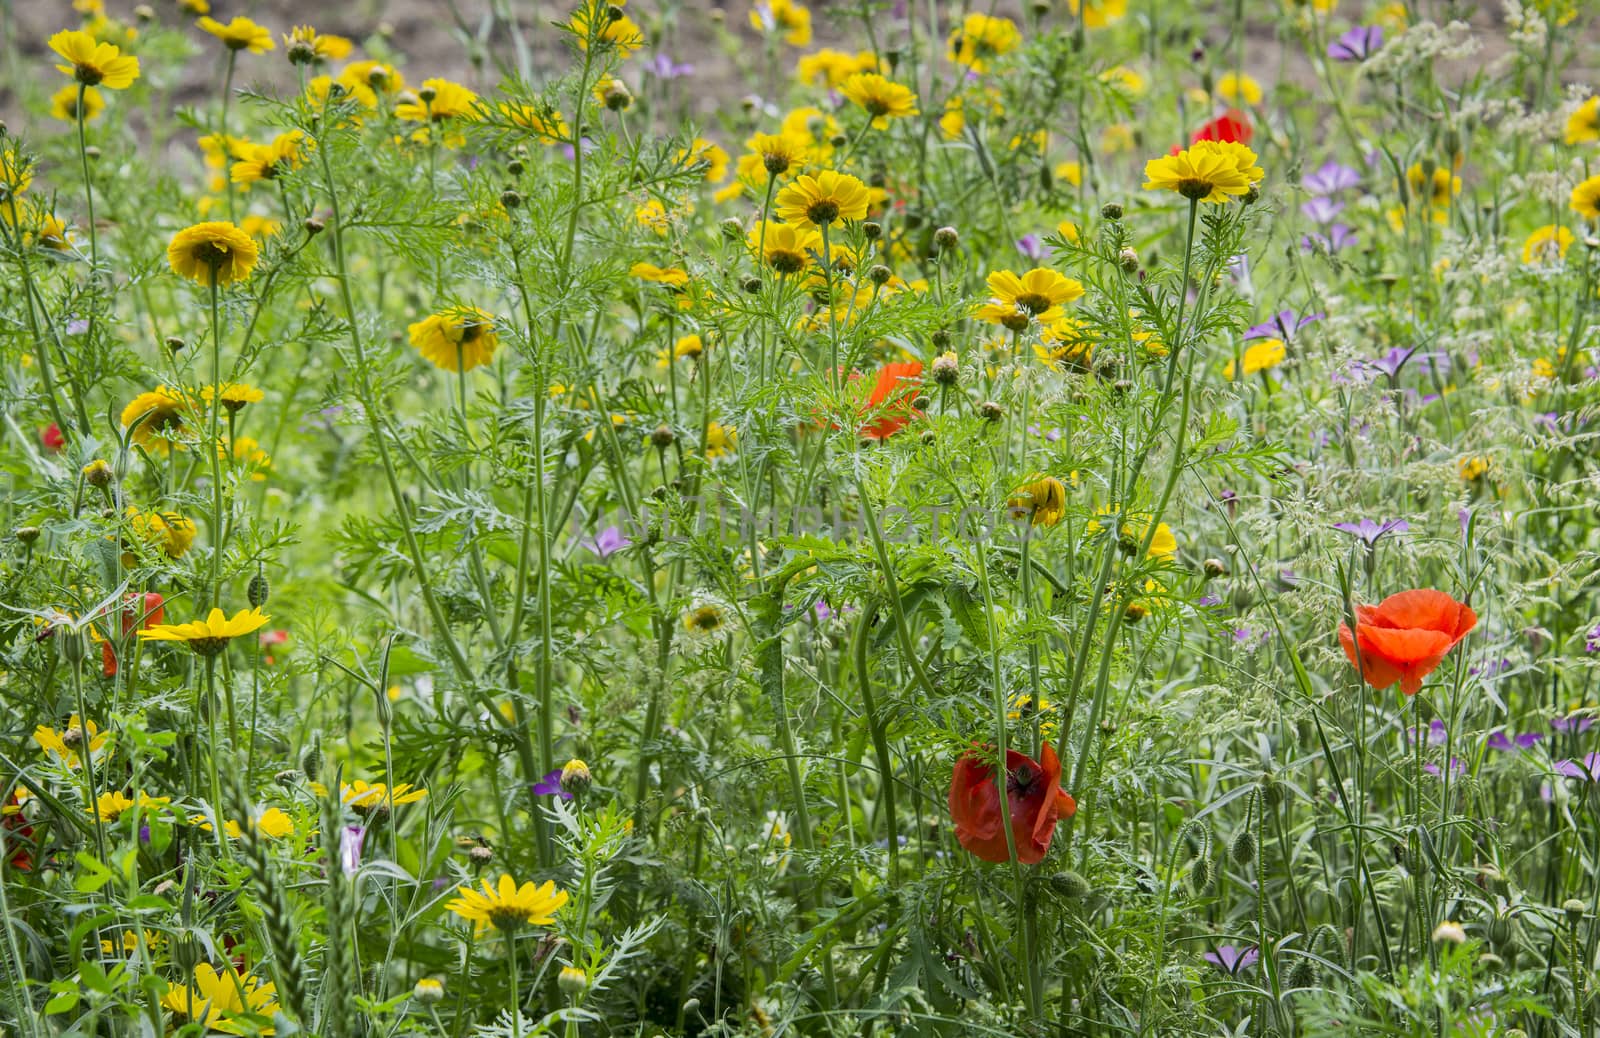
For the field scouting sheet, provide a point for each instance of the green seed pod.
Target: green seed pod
(1200, 876)
(1271, 792)
(257, 591)
(311, 759)
(1303, 974)
(1070, 884)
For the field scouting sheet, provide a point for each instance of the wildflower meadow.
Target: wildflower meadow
(800, 517)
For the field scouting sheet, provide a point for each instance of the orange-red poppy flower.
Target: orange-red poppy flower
(1232, 125)
(1405, 636)
(888, 409)
(137, 613)
(1037, 801)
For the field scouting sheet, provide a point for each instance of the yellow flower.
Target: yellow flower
(816, 201)
(882, 99)
(130, 942)
(980, 38)
(215, 1000)
(1118, 137)
(93, 63)
(64, 104)
(1392, 16)
(786, 249)
(449, 101)
(1585, 199)
(319, 46)
(1268, 353)
(1583, 125)
(169, 531)
(212, 253)
(15, 175)
(721, 441)
(1068, 230)
(1042, 501)
(61, 745)
(210, 636)
(815, 127)
(1206, 171)
(1163, 545)
(239, 34)
(672, 277)
(1238, 88)
(785, 16)
(778, 153)
(1547, 245)
(830, 68)
(248, 453)
(701, 150)
(1434, 190)
(1065, 343)
(260, 227)
(654, 215)
(1022, 708)
(507, 906)
(235, 395)
(1125, 79)
(621, 33)
(267, 161)
(369, 797)
(1472, 468)
(456, 340)
(544, 122)
(703, 619)
(373, 77)
(1097, 14)
(159, 414)
(1014, 302)
(111, 806)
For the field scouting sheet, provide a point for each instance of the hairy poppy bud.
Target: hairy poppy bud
(946, 238)
(1271, 792)
(287, 778)
(1200, 876)
(1111, 211)
(257, 590)
(1070, 884)
(1303, 974)
(311, 759)
(1244, 847)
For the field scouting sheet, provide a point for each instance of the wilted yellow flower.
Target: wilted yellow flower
(168, 531)
(212, 253)
(721, 440)
(62, 745)
(1042, 501)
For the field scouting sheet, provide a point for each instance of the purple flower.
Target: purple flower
(1231, 960)
(1492, 669)
(823, 610)
(1357, 44)
(77, 326)
(665, 68)
(350, 840)
(1391, 363)
(1369, 530)
(1330, 177)
(1032, 247)
(1050, 435)
(1321, 210)
(1436, 733)
(607, 542)
(550, 785)
(1572, 723)
(1281, 325)
(1587, 769)
(1208, 600)
(1523, 741)
(1457, 765)
(1591, 641)
(1339, 237)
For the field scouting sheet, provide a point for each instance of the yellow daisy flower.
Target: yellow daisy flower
(93, 63)
(786, 249)
(1260, 356)
(622, 33)
(1097, 14)
(210, 253)
(1207, 171)
(827, 197)
(1014, 302)
(267, 161)
(210, 636)
(1583, 125)
(883, 99)
(168, 531)
(1042, 501)
(1238, 88)
(1547, 245)
(980, 38)
(310, 45)
(215, 999)
(508, 907)
(1585, 200)
(239, 34)
(64, 104)
(456, 340)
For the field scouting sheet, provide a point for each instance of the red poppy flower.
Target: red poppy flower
(51, 437)
(16, 832)
(1405, 636)
(1036, 798)
(889, 406)
(1232, 125)
(133, 618)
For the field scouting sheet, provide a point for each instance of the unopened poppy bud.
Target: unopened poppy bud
(1215, 568)
(872, 229)
(575, 777)
(1450, 932)
(1243, 850)
(880, 274)
(947, 368)
(1574, 909)
(175, 344)
(257, 590)
(1128, 259)
(732, 229)
(427, 94)
(1135, 612)
(510, 199)
(1070, 884)
(572, 981)
(311, 759)
(1302, 974)
(313, 225)
(661, 438)
(1200, 876)
(1111, 211)
(428, 990)
(991, 411)
(70, 645)
(751, 284)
